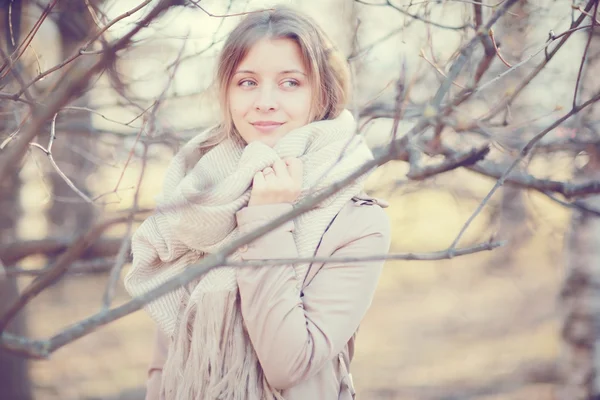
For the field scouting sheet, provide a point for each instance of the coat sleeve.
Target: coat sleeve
(293, 334)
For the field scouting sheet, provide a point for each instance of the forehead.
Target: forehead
(273, 56)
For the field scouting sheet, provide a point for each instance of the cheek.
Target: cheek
(238, 102)
(300, 105)
(306, 107)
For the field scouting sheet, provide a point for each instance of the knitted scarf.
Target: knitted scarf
(210, 355)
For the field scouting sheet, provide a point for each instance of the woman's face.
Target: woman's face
(270, 93)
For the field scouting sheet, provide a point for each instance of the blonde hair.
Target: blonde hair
(327, 68)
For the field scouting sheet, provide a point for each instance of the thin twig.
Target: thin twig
(438, 69)
(76, 268)
(578, 8)
(414, 16)
(480, 88)
(14, 57)
(195, 2)
(16, 97)
(10, 24)
(12, 252)
(401, 96)
(127, 124)
(363, 50)
(429, 256)
(577, 205)
(48, 153)
(122, 255)
(93, 14)
(14, 67)
(115, 272)
(480, 2)
(103, 265)
(498, 50)
(466, 52)
(584, 56)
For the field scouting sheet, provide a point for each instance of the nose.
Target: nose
(266, 99)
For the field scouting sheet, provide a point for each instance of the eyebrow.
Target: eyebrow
(287, 71)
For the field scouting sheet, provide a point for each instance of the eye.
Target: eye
(290, 83)
(246, 83)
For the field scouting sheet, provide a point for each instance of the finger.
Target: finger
(258, 181)
(268, 173)
(280, 169)
(267, 170)
(295, 169)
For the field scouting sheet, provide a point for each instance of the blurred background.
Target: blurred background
(518, 322)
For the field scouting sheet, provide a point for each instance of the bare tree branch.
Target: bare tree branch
(57, 270)
(77, 268)
(523, 84)
(522, 154)
(43, 348)
(48, 152)
(84, 49)
(450, 163)
(414, 16)
(17, 150)
(585, 53)
(11, 253)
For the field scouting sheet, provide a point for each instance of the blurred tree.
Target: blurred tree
(512, 211)
(580, 294)
(73, 149)
(69, 214)
(75, 22)
(14, 377)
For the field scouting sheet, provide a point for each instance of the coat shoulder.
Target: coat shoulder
(363, 216)
(361, 225)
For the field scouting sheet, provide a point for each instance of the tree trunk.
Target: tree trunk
(14, 376)
(68, 217)
(512, 213)
(580, 301)
(580, 295)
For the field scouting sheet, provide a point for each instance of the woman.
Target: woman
(271, 332)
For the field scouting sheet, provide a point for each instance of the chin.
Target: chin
(264, 140)
(271, 142)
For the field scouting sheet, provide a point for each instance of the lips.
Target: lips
(266, 126)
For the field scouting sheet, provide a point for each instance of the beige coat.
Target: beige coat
(305, 344)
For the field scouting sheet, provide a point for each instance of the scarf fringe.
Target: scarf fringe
(211, 356)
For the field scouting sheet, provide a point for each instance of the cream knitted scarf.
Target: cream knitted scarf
(210, 355)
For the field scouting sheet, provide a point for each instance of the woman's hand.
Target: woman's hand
(280, 183)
